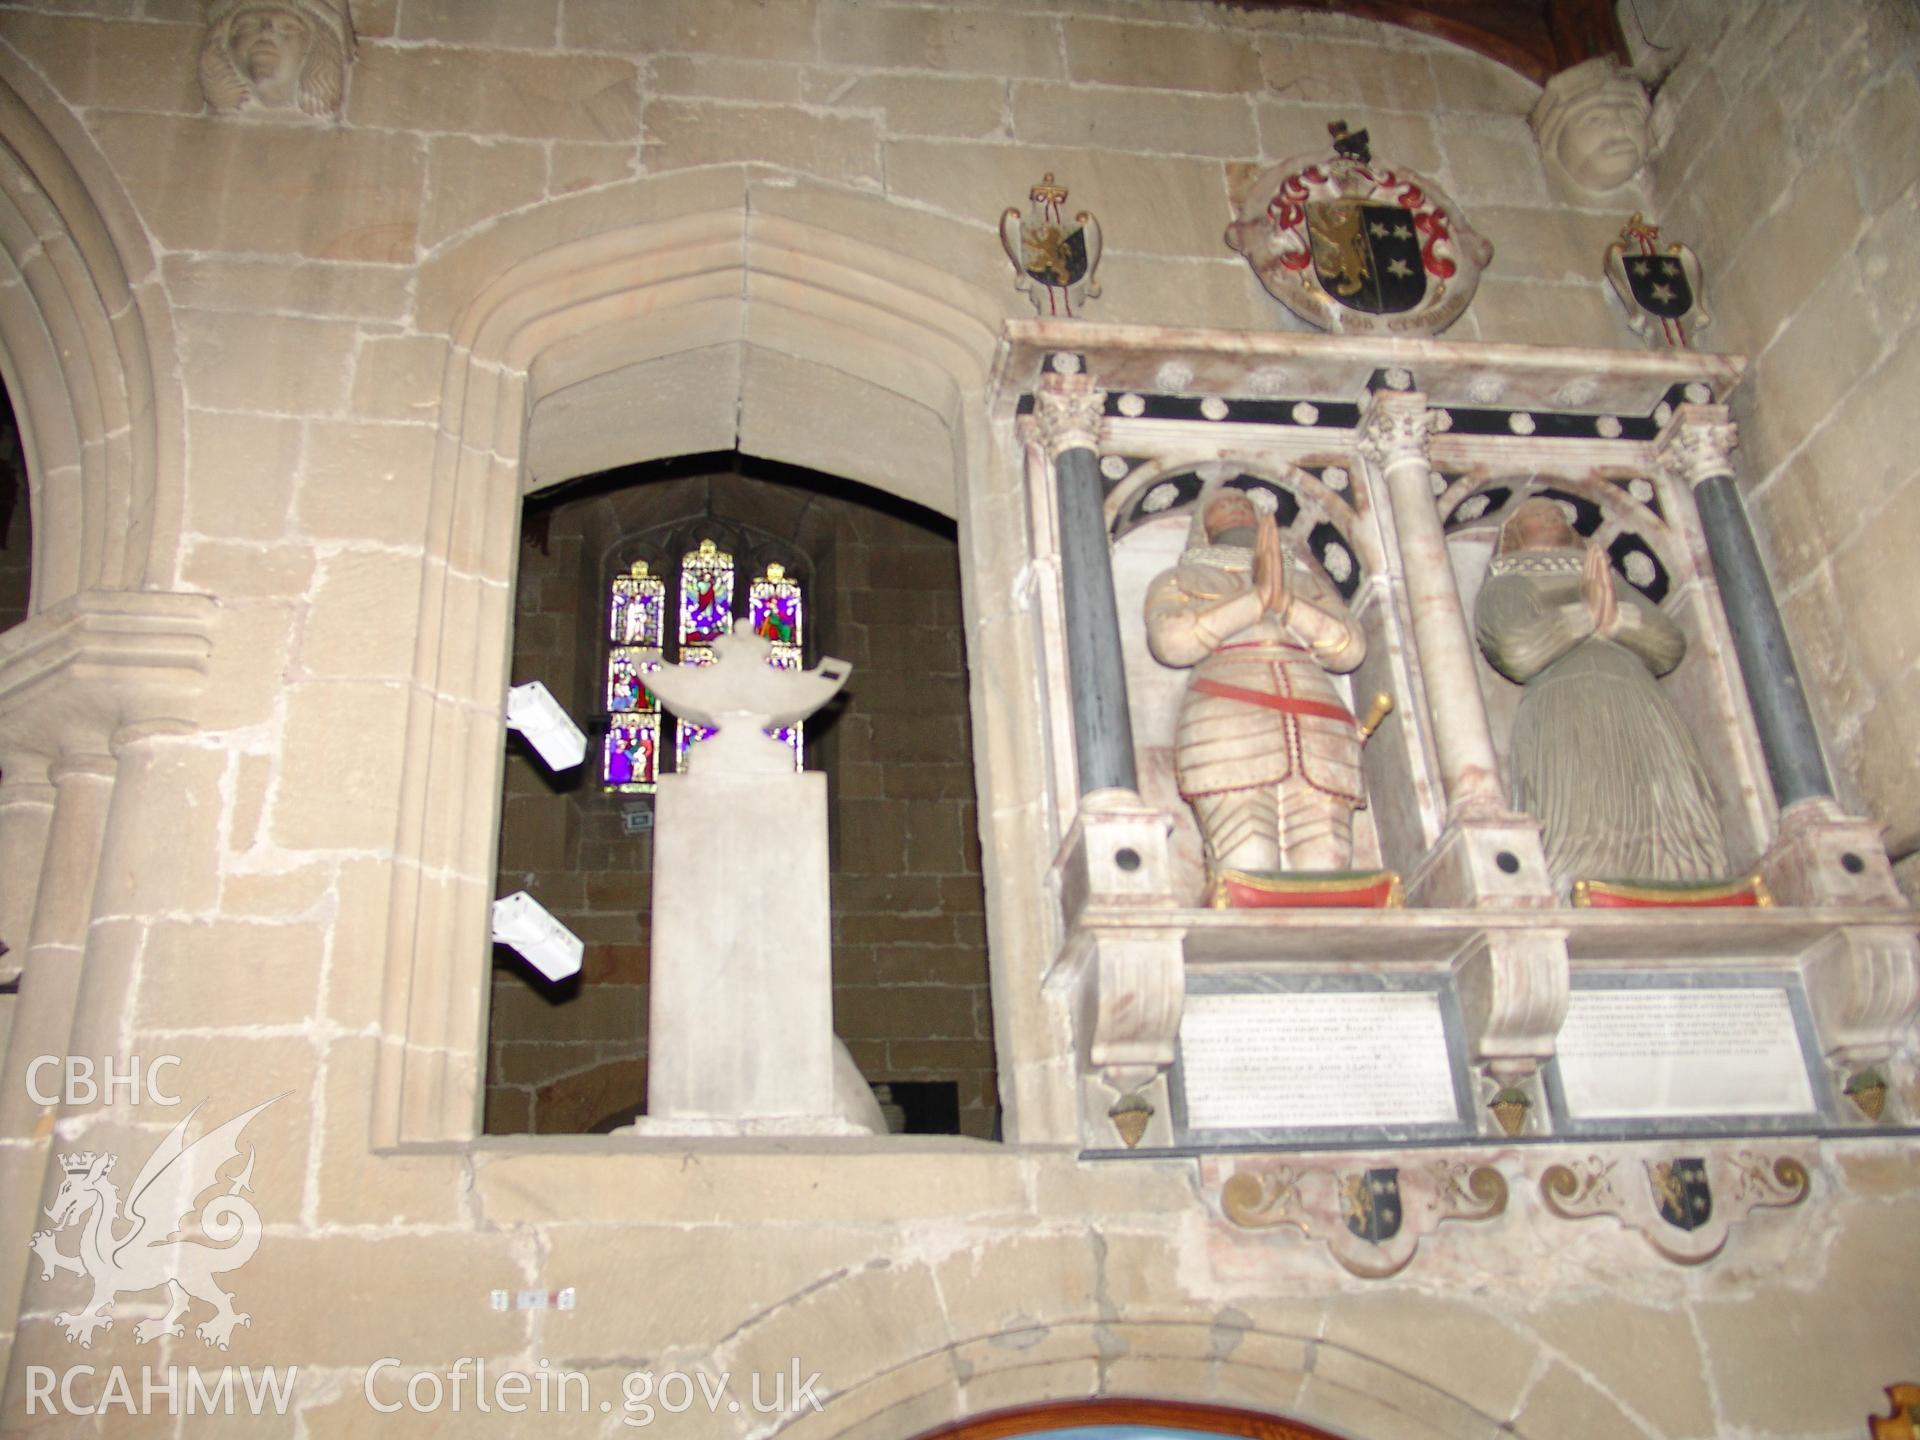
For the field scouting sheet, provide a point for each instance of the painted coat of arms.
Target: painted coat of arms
(1660, 289)
(1053, 261)
(1681, 1191)
(1370, 1204)
(1357, 247)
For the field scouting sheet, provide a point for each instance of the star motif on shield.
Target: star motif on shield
(1659, 286)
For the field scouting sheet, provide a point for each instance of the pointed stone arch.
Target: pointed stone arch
(718, 327)
(87, 352)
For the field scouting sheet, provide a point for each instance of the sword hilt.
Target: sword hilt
(1382, 707)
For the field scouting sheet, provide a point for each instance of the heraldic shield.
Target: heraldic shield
(1367, 256)
(1370, 1203)
(1659, 285)
(1357, 246)
(1053, 260)
(1682, 1192)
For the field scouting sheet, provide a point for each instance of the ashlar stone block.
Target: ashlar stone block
(495, 92)
(228, 974)
(1161, 57)
(683, 133)
(209, 184)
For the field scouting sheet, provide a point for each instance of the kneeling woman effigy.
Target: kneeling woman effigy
(1599, 755)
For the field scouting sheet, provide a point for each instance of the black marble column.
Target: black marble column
(1778, 700)
(1069, 417)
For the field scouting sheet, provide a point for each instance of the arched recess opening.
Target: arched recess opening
(879, 587)
(16, 522)
(1124, 1419)
(90, 483)
(714, 331)
(86, 353)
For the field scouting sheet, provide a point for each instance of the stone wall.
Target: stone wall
(909, 930)
(1791, 162)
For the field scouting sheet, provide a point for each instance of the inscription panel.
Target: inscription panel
(1314, 1061)
(1651, 1053)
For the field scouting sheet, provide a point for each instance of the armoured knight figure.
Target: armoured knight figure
(275, 55)
(1267, 754)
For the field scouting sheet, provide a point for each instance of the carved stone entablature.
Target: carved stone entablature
(1683, 1201)
(1371, 1217)
(1357, 246)
(276, 55)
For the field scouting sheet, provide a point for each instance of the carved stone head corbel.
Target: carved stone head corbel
(276, 55)
(1591, 122)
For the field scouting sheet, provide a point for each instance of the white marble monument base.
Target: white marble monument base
(740, 1025)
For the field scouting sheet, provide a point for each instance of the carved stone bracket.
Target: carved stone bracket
(1370, 1217)
(1068, 411)
(1513, 990)
(1130, 991)
(1864, 985)
(1683, 1203)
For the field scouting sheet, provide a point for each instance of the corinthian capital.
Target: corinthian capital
(1698, 443)
(1396, 428)
(1067, 411)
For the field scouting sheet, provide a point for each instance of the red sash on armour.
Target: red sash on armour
(1285, 704)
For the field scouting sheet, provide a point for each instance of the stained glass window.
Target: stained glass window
(777, 610)
(630, 759)
(704, 611)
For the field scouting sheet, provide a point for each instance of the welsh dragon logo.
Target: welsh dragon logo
(142, 1249)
